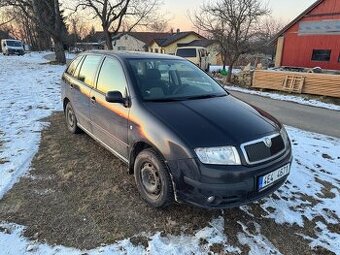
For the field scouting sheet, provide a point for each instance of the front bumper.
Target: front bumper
(231, 186)
(15, 52)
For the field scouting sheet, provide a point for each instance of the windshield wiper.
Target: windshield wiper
(203, 96)
(184, 98)
(163, 100)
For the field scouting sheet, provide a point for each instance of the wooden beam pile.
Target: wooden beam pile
(316, 84)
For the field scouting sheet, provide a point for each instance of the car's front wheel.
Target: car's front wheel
(153, 179)
(71, 119)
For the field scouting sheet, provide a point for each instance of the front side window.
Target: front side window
(187, 53)
(72, 67)
(167, 80)
(89, 69)
(321, 55)
(111, 77)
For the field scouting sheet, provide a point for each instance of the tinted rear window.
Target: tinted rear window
(89, 69)
(186, 53)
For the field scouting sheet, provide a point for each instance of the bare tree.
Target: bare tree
(117, 14)
(232, 23)
(77, 26)
(4, 21)
(48, 16)
(161, 24)
(267, 29)
(4, 18)
(24, 28)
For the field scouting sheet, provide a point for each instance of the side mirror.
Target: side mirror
(115, 97)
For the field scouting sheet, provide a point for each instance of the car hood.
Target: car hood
(216, 121)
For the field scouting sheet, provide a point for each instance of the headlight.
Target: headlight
(219, 155)
(284, 135)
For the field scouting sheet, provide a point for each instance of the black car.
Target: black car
(181, 134)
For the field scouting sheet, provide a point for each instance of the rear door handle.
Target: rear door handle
(72, 86)
(93, 100)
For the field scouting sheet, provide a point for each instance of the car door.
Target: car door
(110, 120)
(81, 90)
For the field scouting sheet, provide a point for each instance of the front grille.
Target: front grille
(257, 151)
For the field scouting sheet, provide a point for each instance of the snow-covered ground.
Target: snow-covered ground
(30, 91)
(216, 68)
(289, 98)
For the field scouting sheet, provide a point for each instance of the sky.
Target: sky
(178, 10)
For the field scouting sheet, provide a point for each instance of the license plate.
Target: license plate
(268, 179)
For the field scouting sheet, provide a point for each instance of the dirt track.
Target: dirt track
(78, 194)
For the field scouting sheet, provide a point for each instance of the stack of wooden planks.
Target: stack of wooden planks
(316, 84)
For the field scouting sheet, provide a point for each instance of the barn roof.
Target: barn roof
(296, 20)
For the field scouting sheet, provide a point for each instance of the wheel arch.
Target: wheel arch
(136, 149)
(65, 102)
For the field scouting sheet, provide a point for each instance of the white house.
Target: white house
(135, 41)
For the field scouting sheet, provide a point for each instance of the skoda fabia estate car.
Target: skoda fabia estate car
(183, 137)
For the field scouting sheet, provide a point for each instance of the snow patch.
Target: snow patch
(257, 243)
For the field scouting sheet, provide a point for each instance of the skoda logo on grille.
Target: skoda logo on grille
(268, 142)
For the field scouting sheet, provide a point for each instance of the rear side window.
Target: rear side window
(72, 67)
(111, 77)
(187, 53)
(89, 68)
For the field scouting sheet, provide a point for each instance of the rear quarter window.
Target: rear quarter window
(73, 66)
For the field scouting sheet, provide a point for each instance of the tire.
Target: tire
(153, 180)
(71, 119)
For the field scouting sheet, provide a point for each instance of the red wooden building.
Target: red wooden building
(312, 39)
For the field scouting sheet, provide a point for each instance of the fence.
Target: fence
(308, 83)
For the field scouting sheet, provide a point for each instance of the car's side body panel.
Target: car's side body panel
(110, 122)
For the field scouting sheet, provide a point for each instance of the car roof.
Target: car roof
(132, 54)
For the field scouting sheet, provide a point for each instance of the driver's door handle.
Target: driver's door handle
(93, 100)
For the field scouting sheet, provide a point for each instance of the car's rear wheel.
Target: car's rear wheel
(153, 179)
(71, 119)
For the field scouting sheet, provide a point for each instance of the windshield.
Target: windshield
(186, 53)
(14, 43)
(167, 80)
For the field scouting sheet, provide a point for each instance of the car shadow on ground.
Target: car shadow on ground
(78, 194)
